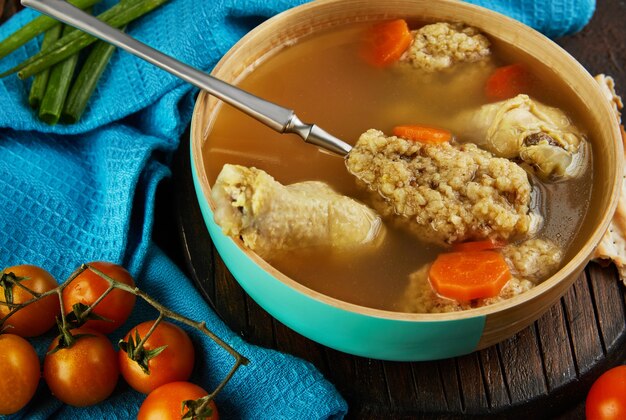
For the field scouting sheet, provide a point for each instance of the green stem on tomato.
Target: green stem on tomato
(83, 315)
(240, 360)
(164, 312)
(173, 315)
(155, 324)
(39, 296)
(26, 288)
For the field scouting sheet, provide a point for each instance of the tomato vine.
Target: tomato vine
(81, 313)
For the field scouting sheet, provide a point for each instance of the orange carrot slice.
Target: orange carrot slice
(386, 42)
(507, 82)
(485, 245)
(422, 133)
(464, 276)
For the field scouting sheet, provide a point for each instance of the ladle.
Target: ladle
(274, 116)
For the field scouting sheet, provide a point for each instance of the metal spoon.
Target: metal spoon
(274, 116)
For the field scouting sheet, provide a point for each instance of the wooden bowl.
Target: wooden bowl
(391, 335)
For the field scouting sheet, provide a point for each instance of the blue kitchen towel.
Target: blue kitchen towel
(553, 18)
(84, 192)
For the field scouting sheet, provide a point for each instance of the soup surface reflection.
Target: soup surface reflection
(325, 80)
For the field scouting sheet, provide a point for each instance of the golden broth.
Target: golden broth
(325, 81)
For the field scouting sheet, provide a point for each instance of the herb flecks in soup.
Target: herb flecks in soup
(449, 171)
(271, 217)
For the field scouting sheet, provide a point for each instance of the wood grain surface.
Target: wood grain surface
(544, 371)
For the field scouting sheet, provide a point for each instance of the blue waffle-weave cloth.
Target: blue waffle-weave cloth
(84, 192)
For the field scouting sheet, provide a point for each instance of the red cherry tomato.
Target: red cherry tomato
(85, 373)
(38, 317)
(165, 402)
(88, 287)
(175, 363)
(607, 397)
(19, 374)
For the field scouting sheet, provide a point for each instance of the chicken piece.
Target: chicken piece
(541, 136)
(446, 192)
(525, 261)
(441, 45)
(272, 217)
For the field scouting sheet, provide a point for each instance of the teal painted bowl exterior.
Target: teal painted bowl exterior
(375, 334)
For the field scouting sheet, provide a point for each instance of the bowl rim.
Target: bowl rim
(580, 259)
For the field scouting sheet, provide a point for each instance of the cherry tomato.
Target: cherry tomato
(607, 396)
(20, 373)
(175, 363)
(85, 373)
(165, 402)
(88, 287)
(36, 318)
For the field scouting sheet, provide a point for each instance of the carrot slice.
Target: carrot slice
(485, 245)
(464, 276)
(386, 42)
(507, 82)
(422, 133)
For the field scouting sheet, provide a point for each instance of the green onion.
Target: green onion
(117, 16)
(86, 81)
(58, 85)
(38, 88)
(35, 27)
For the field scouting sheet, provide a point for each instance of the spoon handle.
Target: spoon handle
(274, 116)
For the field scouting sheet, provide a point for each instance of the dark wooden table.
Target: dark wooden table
(544, 371)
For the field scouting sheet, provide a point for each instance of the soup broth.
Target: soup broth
(326, 81)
